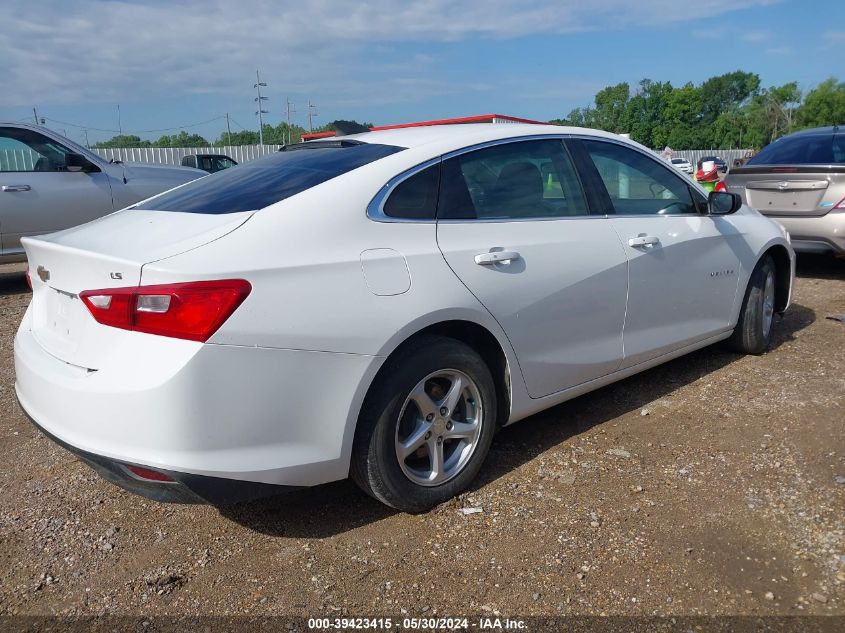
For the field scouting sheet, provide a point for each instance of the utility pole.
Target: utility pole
(35, 116)
(228, 131)
(290, 110)
(87, 144)
(258, 85)
(119, 126)
(311, 106)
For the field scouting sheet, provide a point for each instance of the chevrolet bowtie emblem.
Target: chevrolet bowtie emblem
(43, 273)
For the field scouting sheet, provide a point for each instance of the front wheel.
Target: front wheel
(753, 331)
(426, 426)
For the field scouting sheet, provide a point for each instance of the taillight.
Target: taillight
(28, 279)
(192, 311)
(720, 186)
(148, 474)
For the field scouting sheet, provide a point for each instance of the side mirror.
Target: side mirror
(723, 202)
(77, 162)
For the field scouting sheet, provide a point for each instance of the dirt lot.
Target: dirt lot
(714, 484)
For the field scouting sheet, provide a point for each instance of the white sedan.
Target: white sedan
(682, 164)
(379, 305)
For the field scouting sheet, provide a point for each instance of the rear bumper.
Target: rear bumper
(213, 416)
(185, 487)
(820, 234)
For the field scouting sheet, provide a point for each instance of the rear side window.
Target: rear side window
(416, 197)
(262, 182)
(812, 149)
(526, 179)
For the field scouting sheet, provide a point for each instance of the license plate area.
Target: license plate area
(59, 321)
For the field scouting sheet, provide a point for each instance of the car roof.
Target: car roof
(457, 136)
(829, 129)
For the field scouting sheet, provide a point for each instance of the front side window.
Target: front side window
(268, 180)
(25, 150)
(525, 179)
(638, 185)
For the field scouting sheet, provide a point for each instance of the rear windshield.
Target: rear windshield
(812, 149)
(262, 182)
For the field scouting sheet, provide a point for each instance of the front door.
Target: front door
(683, 264)
(514, 225)
(37, 194)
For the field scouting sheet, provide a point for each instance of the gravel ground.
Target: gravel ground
(712, 485)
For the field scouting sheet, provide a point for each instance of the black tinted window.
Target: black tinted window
(528, 179)
(638, 185)
(813, 149)
(262, 182)
(416, 197)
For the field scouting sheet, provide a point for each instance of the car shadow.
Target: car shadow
(12, 282)
(819, 266)
(338, 507)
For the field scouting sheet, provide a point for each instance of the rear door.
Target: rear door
(37, 194)
(683, 265)
(514, 225)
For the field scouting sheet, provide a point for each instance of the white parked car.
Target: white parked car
(682, 164)
(378, 305)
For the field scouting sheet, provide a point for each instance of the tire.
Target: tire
(753, 331)
(408, 400)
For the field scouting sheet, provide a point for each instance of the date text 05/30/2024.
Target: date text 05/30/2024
(412, 624)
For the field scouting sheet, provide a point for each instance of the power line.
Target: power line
(164, 129)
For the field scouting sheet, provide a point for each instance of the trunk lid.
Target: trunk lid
(106, 253)
(784, 190)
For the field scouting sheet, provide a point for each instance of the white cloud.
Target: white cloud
(709, 34)
(756, 37)
(82, 51)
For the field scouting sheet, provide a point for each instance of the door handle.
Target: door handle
(643, 240)
(16, 187)
(496, 257)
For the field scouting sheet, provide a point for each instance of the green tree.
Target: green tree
(610, 112)
(645, 116)
(726, 92)
(244, 137)
(183, 139)
(123, 140)
(771, 114)
(824, 105)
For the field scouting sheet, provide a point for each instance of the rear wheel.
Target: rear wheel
(753, 331)
(426, 426)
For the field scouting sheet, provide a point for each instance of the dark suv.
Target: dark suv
(721, 165)
(208, 162)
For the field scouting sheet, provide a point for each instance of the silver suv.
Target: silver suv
(49, 183)
(799, 180)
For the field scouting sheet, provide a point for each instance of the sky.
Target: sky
(183, 64)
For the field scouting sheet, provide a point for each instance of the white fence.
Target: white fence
(694, 155)
(173, 155)
(18, 159)
(24, 160)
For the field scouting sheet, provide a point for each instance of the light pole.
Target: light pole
(258, 85)
(311, 107)
(290, 110)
